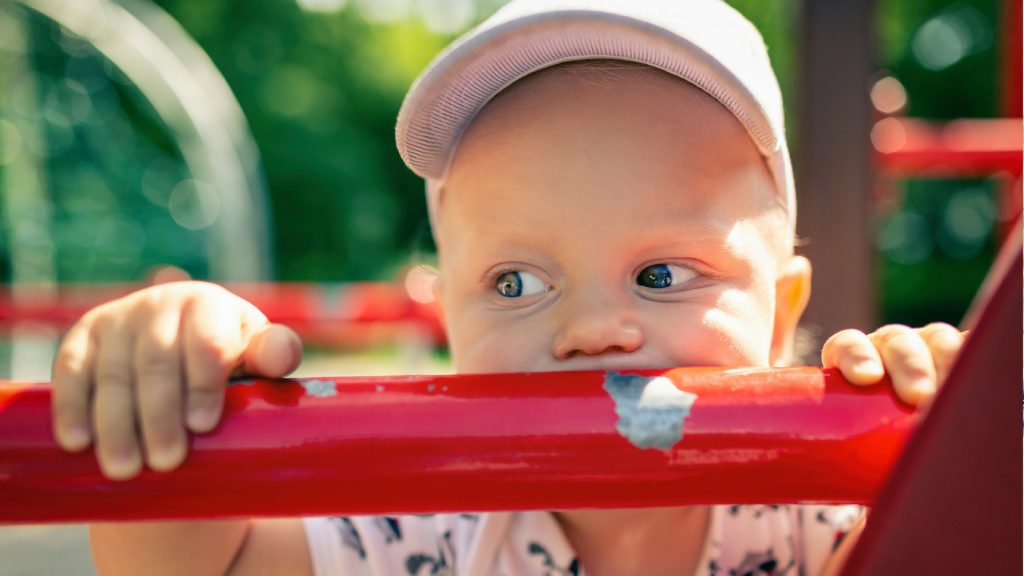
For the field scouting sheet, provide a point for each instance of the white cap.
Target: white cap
(705, 42)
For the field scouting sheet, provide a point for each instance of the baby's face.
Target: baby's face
(591, 222)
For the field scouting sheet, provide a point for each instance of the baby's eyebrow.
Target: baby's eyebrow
(697, 234)
(716, 246)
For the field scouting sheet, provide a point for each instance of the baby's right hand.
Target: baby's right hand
(132, 374)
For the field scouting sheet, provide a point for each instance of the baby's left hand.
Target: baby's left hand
(917, 360)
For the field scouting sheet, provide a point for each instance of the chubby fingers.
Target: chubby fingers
(218, 344)
(113, 414)
(908, 361)
(72, 388)
(212, 346)
(855, 355)
(157, 372)
(272, 351)
(133, 376)
(917, 360)
(944, 343)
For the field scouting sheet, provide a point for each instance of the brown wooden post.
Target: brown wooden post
(833, 160)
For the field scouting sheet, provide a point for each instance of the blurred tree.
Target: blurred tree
(103, 167)
(321, 91)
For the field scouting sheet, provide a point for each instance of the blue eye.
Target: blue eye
(661, 276)
(515, 284)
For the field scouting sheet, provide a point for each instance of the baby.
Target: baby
(610, 189)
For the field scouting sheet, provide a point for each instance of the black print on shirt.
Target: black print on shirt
(757, 564)
(441, 565)
(349, 535)
(550, 569)
(390, 527)
(840, 526)
(755, 511)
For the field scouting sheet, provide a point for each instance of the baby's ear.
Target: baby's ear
(792, 291)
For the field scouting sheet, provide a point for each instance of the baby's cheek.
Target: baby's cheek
(481, 345)
(735, 330)
(739, 340)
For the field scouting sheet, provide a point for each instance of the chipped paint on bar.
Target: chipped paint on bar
(651, 410)
(319, 388)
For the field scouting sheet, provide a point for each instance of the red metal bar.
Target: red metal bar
(327, 314)
(475, 442)
(959, 148)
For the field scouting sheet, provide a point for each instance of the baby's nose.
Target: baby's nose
(598, 331)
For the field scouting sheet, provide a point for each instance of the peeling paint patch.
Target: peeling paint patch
(651, 411)
(319, 388)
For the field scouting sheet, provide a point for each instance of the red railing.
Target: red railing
(336, 315)
(965, 148)
(481, 442)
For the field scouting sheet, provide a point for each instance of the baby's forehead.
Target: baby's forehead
(631, 80)
(605, 98)
(635, 125)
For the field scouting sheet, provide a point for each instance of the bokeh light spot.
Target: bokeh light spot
(194, 204)
(888, 135)
(949, 37)
(888, 95)
(906, 238)
(419, 284)
(966, 223)
(940, 43)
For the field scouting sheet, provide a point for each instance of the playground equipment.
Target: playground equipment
(573, 439)
(412, 444)
(199, 111)
(949, 504)
(337, 316)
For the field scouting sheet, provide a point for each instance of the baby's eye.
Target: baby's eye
(515, 284)
(664, 276)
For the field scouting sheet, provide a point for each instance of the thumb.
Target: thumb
(274, 351)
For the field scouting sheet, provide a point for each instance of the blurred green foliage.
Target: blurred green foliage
(320, 83)
(87, 170)
(321, 92)
(937, 238)
(945, 53)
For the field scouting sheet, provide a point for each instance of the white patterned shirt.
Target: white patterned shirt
(742, 540)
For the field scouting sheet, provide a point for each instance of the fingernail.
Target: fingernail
(923, 389)
(166, 458)
(202, 418)
(121, 466)
(74, 438)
